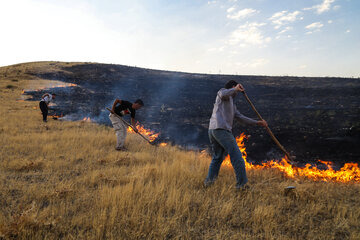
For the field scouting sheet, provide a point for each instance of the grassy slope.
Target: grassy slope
(64, 179)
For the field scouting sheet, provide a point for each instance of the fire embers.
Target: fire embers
(56, 117)
(151, 135)
(86, 119)
(350, 172)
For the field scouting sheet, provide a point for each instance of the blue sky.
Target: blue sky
(245, 37)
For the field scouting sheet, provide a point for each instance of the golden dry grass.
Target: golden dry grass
(65, 180)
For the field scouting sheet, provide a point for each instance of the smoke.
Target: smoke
(179, 105)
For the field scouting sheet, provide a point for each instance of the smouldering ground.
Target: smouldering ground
(64, 180)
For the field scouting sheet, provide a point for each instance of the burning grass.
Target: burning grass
(65, 180)
(350, 172)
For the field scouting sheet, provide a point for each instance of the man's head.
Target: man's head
(230, 84)
(137, 104)
(53, 95)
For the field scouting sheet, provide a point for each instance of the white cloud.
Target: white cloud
(283, 17)
(254, 63)
(303, 66)
(241, 13)
(285, 30)
(348, 31)
(216, 49)
(323, 7)
(337, 7)
(248, 34)
(330, 21)
(229, 10)
(315, 25)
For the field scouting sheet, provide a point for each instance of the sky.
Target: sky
(243, 37)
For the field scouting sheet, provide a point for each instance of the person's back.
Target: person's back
(122, 108)
(44, 103)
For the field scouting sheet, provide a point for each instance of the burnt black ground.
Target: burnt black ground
(314, 118)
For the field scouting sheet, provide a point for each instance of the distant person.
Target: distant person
(122, 108)
(44, 104)
(221, 138)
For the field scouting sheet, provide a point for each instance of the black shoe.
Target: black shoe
(120, 149)
(208, 183)
(244, 187)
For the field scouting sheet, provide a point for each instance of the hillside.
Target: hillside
(314, 118)
(63, 180)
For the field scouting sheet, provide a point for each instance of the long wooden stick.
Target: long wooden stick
(129, 125)
(268, 129)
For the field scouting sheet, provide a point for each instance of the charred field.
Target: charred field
(314, 118)
(64, 180)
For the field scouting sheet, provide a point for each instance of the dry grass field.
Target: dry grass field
(64, 180)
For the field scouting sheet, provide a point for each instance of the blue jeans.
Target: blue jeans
(223, 142)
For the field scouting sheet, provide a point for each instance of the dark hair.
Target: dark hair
(54, 94)
(230, 84)
(139, 101)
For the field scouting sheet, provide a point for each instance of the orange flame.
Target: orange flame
(350, 172)
(58, 116)
(163, 144)
(146, 132)
(86, 119)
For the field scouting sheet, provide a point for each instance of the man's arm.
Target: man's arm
(133, 123)
(46, 94)
(243, 118)
(224, 94)
(114, 104)
(247, 120)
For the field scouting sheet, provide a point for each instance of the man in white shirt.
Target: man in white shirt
(220, 133)
(44, 103)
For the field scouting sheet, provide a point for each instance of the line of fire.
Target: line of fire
(316, 118)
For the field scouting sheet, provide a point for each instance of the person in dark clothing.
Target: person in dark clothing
(122, 108)
(44, 104)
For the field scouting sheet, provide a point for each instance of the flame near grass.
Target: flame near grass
(151, 135)
(86, 119)
(350, 172)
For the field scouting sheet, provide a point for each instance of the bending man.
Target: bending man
(44, 104)
(122, 108)
(221, 138)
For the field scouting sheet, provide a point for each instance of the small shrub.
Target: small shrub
(9, 86)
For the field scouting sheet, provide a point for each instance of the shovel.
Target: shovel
(129, 125)
(290, 158)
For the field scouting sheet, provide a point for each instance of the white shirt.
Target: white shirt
(225, 111)
(47, 98)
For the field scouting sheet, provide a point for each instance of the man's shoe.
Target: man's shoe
(120, 149)
(208, 183)
(244, 187)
